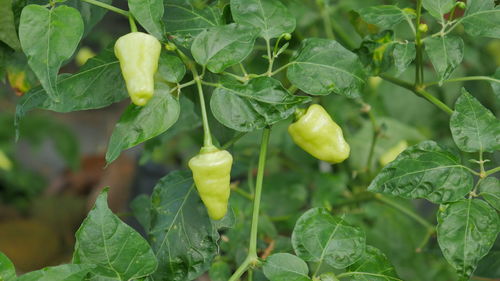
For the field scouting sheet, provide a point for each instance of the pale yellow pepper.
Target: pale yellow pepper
(212, 175)
(316, 133)
(138, 54)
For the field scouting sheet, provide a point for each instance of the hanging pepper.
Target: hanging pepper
(211, 173)
(316, 133)
(138, 54)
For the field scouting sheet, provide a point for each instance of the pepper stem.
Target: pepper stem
(299, 112)
(133, 26)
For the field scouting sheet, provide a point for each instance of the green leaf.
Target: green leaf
(220, 47)
(373, 266)
(427, 171)
(48, 38)
(181, 234)
(183, 21)
(482, 19)
(65, 272)
(474, 128)
(149, 14)
(322, 66)
(219, 271)
(141, 123)
(98, 84)
(319, 237)
(385, 16)
(446, 53)
(271, 17)
(7, 25)
(91, 14)
(489, 266)
(466, 232)
(495, 85)
(489, 188)
(376, 52)
(117, 250)
(286, 267)
(7, 270)
(170, 68)
(437, 8)
(247, 107)
(404, 54)
(141, 208)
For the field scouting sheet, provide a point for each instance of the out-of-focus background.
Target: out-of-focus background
(51, 176)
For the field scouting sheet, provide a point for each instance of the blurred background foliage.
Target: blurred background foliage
(50, 177)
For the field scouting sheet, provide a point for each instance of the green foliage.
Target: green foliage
(256, 64)
(126, 254)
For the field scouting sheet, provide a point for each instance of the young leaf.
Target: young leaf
(373, 266)
(66, 272)
(319, 237)
(170, 68)
(149, 14)
(117, 250)
(466, 232)
(286, 267)
(322, 66)
(404, 54)
(184, 22)
(181, 233)
(271, 17)
(141, 123)
(223, 46)
(48, 38)
(247, 107)
(385, 16)
(99, 83)
(425, 171)
(446, 53)
(437, 8)
(7, 270)
(474, 128)
(7, 25)
(482, 18)
(489, 188)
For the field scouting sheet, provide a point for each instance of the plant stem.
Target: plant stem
(418, 45)
(241, 269)
(252, 247)
(242, 193)
(492, 171)
(133, 26)
(207, 137)
(404, 210)
(324, 10)
(108, 7)
(376, 131)
(426, 239)
(434, 100)
(234, 139)
(281, 68)
(258, 192)
(460, 79)
(270, 58)
(419, 91)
